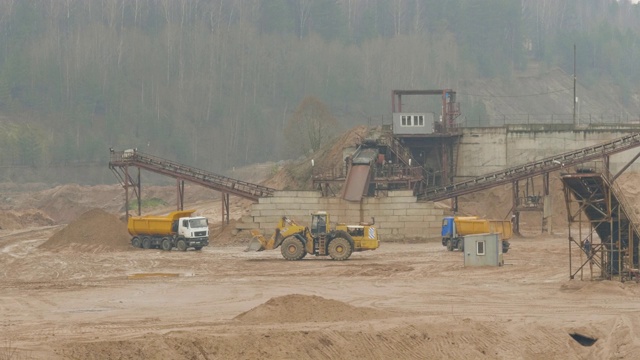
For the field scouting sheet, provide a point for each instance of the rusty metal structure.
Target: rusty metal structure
(603, 228)
(378, 164)
(120, 163)
(412, 161)
(442, 144)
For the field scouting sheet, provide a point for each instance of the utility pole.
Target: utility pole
(574, 86)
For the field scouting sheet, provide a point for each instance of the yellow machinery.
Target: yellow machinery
(178, 229)
(296, 241)
(455, 228)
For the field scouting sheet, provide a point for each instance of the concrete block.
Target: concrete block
(397, 200)
(261, 205)
(380, 213)
(388, 220)
(270, 220)
(301, 216)
(429, 218)
(400, 212)
(384, 232)
(421, 212)
(415, 225)
(271, 212)
(247, 219)
(412, 218)
(352, 206)
(284, 200)
(288, 206)
(401, 193)
(311, 207)
(311, 194)
(395, 206)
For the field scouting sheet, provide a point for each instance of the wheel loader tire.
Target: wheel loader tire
(146, 243)
(292, 249)
(166, 244)
(340, 249)
(182, 245)
(135, 242)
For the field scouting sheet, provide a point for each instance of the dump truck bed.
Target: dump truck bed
(471, 226)
(155, 225)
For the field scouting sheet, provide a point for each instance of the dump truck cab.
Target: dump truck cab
(194, 229)
(448, 229)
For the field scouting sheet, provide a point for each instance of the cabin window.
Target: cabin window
(480, 248)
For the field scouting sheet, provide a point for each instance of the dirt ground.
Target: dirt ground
(72, 288)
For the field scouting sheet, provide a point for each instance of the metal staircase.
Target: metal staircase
(121, 160)
(530, 169)
(401, 152)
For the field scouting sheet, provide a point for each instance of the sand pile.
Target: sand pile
(94, 231)
(13, 220)
(305, 308)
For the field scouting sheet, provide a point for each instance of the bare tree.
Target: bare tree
(310, 127)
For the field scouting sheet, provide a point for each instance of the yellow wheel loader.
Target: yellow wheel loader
(296, 241)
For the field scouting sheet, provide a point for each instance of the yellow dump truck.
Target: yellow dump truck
(178, 229)
(454, 228)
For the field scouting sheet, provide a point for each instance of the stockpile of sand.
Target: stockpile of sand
(13, 220)
(303, 308)
(93, 231)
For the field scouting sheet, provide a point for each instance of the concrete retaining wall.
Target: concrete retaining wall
(485, 150)
(398, 216)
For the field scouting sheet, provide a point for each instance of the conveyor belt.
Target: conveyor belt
(120, 160)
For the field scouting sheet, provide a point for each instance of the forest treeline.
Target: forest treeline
(215, 83)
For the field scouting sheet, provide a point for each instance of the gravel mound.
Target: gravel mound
(93, 231)
(304, 308)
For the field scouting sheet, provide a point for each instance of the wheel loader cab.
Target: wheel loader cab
(319, 223)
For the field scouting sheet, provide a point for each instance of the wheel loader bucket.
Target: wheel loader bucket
(257, 242)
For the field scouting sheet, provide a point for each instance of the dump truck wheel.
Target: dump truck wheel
(198, 248)
(340, 249)
(505, 247)
(166, 244)
(292, 248)
(182, 245)
(449, 245)
(146, 243)
(136, 242)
